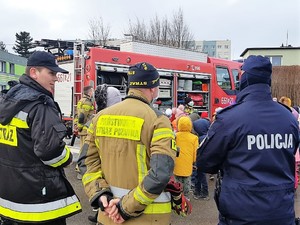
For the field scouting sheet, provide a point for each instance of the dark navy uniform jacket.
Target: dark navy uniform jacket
(253, 142)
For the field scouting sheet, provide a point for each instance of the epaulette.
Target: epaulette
(229, 107)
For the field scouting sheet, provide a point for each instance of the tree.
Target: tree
(24, 42)
(175, 33)
(2, 46)
(98, 32)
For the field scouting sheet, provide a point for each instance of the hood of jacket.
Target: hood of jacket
(184, 124)
(255, 92)
(201, 126)
(21, 95)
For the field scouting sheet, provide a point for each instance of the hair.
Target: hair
(101, 96)
(286, 101)
(86, 89)
(27, 70)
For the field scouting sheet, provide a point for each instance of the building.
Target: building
(218, 49)
(11, 67)
(279, 56)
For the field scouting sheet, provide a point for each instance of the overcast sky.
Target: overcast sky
(247, 23)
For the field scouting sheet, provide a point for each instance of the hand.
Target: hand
(111, 210)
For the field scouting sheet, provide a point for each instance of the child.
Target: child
(188, 144)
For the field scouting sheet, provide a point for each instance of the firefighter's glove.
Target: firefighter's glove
(109, 197)
(183, 209)
(180, 204)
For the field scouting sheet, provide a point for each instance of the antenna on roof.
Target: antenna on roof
(287, 37)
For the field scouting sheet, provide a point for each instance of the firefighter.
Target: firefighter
(85, 112)
(33, 187)
(130, 156)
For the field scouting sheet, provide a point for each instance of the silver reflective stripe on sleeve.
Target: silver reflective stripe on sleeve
(57, 159)
(120, 192)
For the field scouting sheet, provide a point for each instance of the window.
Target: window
(223, 78)
(219, 46)
(226, 46)
(275, 60)
(12, 68)
(235, 74)
(3, 66)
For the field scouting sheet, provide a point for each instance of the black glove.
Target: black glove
(109, 197)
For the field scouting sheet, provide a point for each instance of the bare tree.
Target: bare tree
(155, 30)
(99, 32)
(175, 33)
(138, 30)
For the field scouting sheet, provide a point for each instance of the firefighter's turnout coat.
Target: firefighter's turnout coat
(85, 112)
(131, 152)
(33, 186)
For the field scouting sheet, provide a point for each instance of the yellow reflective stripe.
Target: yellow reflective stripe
(173, 145)
(19, 123)
(89, 177)
(141, 162)
(41, 216)
(61, 159)
(41, 212)
(141, 197)
(87, 107)
(158, 208)
(126, 127)
(8, 135)
(91, 128)
(162, 133)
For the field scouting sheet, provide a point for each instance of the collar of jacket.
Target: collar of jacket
(258, 92)
(27, 80)
(137, 94)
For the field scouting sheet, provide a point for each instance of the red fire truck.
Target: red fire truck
(210, 84)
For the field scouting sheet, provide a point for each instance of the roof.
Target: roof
(289, 47)
(12, 58)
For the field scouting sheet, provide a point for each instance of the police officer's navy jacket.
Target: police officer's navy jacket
(33, 186)
(253, 142)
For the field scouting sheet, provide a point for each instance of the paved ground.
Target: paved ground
(204, 212)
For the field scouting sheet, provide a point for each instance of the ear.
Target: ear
(33, 73)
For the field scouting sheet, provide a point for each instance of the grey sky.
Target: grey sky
(247, 23)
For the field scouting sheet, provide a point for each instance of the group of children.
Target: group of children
(190, 129)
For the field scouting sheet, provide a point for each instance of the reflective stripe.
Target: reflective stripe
(91, 128)
(20, 120)
(58, 161)
(120, 192)
(41, 211)
(141, 162)
(140, 196)
(158, 208)
(162, 133)
(126, 127)
(89, 177)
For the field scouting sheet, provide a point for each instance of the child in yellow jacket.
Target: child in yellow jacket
(188, 144)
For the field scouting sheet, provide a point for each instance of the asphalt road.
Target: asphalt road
(204, 212)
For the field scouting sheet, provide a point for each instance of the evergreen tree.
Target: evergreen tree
(23, 44)
(2, 46)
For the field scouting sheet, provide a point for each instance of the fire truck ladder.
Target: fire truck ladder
(78, 72)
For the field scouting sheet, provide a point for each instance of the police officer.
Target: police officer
(253, 143)
(130, 156)
(33, 187)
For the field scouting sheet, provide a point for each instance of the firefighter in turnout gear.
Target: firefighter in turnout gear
(130, 156)
(85, 112)
(33, 187)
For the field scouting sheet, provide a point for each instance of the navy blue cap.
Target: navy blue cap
(143, 75)
(257, 69)
(45, 59)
